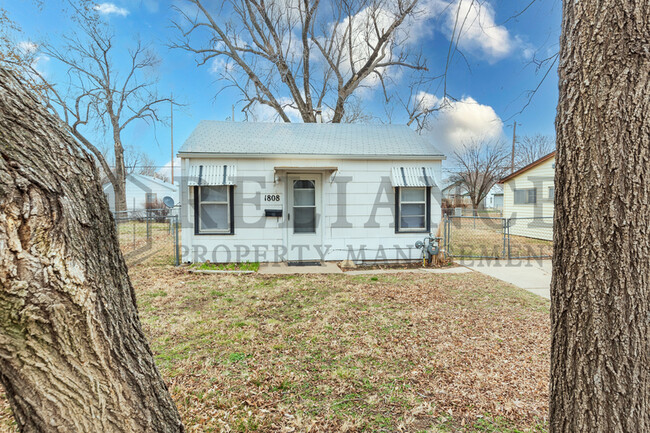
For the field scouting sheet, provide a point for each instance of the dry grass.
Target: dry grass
(138, 247)
(484, 238)
(395, 352)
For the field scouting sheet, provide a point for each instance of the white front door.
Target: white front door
(304, 235)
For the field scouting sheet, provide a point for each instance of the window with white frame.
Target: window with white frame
(412, 209)
(214, 209)
(551, 192)
(525, 196)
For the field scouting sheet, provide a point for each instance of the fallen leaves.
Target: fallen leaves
(315, 353)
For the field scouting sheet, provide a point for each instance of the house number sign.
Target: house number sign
(271, 198)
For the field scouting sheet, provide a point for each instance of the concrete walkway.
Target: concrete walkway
(333, 268)
(531, 275)
(454, 270)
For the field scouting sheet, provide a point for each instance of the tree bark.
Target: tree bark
(600, 368)
(119, 186)
(73, 357)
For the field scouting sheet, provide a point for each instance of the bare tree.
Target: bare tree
(479, 166)
(301, 55)
(147, 166)
(600, 289)
(8, 52)
(100, 96)
(73, 355)
(531, 148)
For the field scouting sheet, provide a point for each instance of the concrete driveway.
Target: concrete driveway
(531, 275)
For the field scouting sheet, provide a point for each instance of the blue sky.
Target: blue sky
(491, 82)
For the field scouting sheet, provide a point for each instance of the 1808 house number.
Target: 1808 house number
(272, 198)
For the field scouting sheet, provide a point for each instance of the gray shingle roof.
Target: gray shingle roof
(217, 137)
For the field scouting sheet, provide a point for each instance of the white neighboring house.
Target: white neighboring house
(141, 189)
(494, 198)
(529, 199)
(275, 192)
(457, 193)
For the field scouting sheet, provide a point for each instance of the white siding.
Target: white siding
(137, 187)
(533, 220)
(362, 239)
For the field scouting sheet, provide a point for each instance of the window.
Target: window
(551, 192)
(151, 197)
(526, 196)
(412, 209)
(213, 210)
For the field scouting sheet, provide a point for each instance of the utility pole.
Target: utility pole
(171, 107)
(512, 157)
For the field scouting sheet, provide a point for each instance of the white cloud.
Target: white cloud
(425, 101)
(460, 122)
(110, 9)
(363, 27)
(28, 50)
(479, 33)
(222, 67)
(166, 170)
(27, 47)
(264, 113)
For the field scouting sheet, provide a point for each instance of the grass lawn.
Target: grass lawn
(397, 352)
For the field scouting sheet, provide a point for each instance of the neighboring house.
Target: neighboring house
(528, 196)
(274, 192)
(140, 190)
(456, 194)
(494, 198)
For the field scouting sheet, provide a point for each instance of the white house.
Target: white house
(275, 192)
(140, 190)
(456, 194)
(528, 198)
(494, 198)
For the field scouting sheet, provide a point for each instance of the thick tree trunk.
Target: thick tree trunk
(73, 357)
(600, 366)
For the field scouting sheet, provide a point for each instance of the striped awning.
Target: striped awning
(211, 175)
(412, 176)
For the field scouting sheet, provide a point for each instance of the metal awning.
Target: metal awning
(317, 169)
(412, 176)
(212, 175)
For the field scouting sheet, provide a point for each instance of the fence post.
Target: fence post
(148, 225)
(508, 235)
(176, 243)
(447, 218)
(503, 231)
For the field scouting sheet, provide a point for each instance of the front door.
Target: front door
(304, 217)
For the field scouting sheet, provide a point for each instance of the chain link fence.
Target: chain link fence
(468, 211)
(151, 235)
(485, 237)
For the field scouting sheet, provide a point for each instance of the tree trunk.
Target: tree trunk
(600, 368)
(73, 357)
(119, 187)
